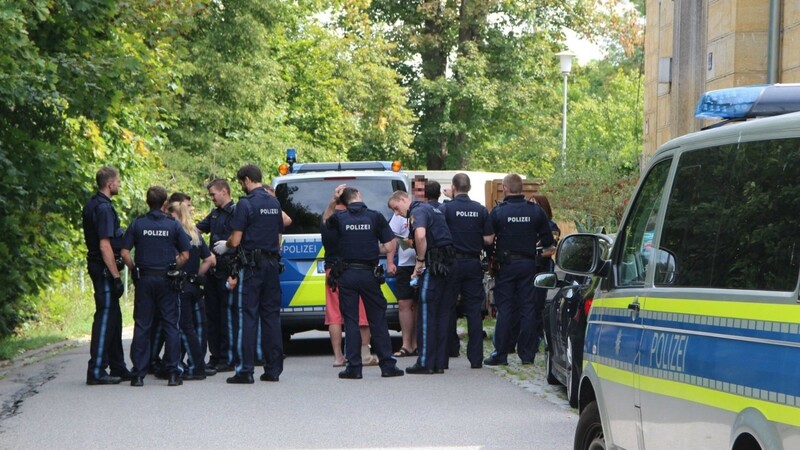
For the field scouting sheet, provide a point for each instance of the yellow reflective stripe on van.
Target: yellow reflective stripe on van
(705, 396)
(773, 312)
(613, 302)
(311, 291)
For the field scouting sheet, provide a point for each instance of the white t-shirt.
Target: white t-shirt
(399, 226)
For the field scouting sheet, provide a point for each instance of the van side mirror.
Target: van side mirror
(546, 280)
(583, 254)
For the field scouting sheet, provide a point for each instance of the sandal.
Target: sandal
(371, 361)
(404, 352)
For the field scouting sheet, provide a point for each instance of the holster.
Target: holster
(334, 274)
(176, 278)
(226, 266)
(440, 259)
(120, 265)
(380, 273)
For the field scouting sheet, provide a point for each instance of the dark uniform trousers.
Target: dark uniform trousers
(514, 299)
(355, 282)
(437, 304)
(258, 300)
(190, 339)
(106, 346)
(219, 312)
(467, 281)
(153, 293)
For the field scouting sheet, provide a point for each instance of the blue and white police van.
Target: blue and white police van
(304, 191)
(693, 338)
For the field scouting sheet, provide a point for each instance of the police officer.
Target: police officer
(362, 232)
(471, 229)
(435, 257)
(518, 225)
(193, 321)
(102, 233)
(219, 299)
(256, 226)
(162, 246)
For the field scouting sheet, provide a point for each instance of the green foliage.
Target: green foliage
(603, 147)
(178, 93)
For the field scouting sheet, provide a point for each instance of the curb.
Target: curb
(39, 354)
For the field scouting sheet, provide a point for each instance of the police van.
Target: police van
(304, 191)
(693, 338)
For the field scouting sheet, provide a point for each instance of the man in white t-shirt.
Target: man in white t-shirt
(406, 294)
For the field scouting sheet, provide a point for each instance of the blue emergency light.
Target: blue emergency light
(748, 102)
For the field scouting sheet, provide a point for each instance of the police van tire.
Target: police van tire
(589, 433)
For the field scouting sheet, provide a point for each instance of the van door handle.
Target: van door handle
(634, 306)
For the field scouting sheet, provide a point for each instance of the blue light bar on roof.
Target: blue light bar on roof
(733, 103)
(749, 102)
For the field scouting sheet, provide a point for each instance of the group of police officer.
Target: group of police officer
(242, 292)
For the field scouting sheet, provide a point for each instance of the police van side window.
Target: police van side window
(638, 232)
(732, 219)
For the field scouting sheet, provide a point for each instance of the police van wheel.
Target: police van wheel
(589, 433)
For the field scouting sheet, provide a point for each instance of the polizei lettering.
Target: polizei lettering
(466, 214)
(155, 233)
(358, 227)
(269, 211)
(668, 351)
(519, 219)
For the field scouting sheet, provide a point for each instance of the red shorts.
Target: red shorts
(333, 315)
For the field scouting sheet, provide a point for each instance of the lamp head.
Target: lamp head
(566, 61)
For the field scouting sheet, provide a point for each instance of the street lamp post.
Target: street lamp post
(566, 66)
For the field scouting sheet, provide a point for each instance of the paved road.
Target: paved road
(47, 405)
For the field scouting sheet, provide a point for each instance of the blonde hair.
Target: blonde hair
(184, 216)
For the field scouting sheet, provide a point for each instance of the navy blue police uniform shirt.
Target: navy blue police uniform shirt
(423, 215)
(330, 242)
(100, 221)
(158, 239)
(468, 221)
(361, 231)
(258, 216)
(519, 224)
(196, 253)
(218, 223)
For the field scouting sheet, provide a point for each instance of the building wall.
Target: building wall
(693, 46)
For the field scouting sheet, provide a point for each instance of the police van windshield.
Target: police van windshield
(305, 200)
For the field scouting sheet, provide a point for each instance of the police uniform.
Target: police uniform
(469, 222)
(257, 297)
(100, 221)
(518, 226)
(218, 299)
(192, 312)
(361, 231)
(435, 292)
(158, 238)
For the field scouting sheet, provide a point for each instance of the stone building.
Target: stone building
(693, 46)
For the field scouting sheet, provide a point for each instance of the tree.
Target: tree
(466, 63)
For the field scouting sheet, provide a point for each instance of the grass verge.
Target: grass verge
(62, 311)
